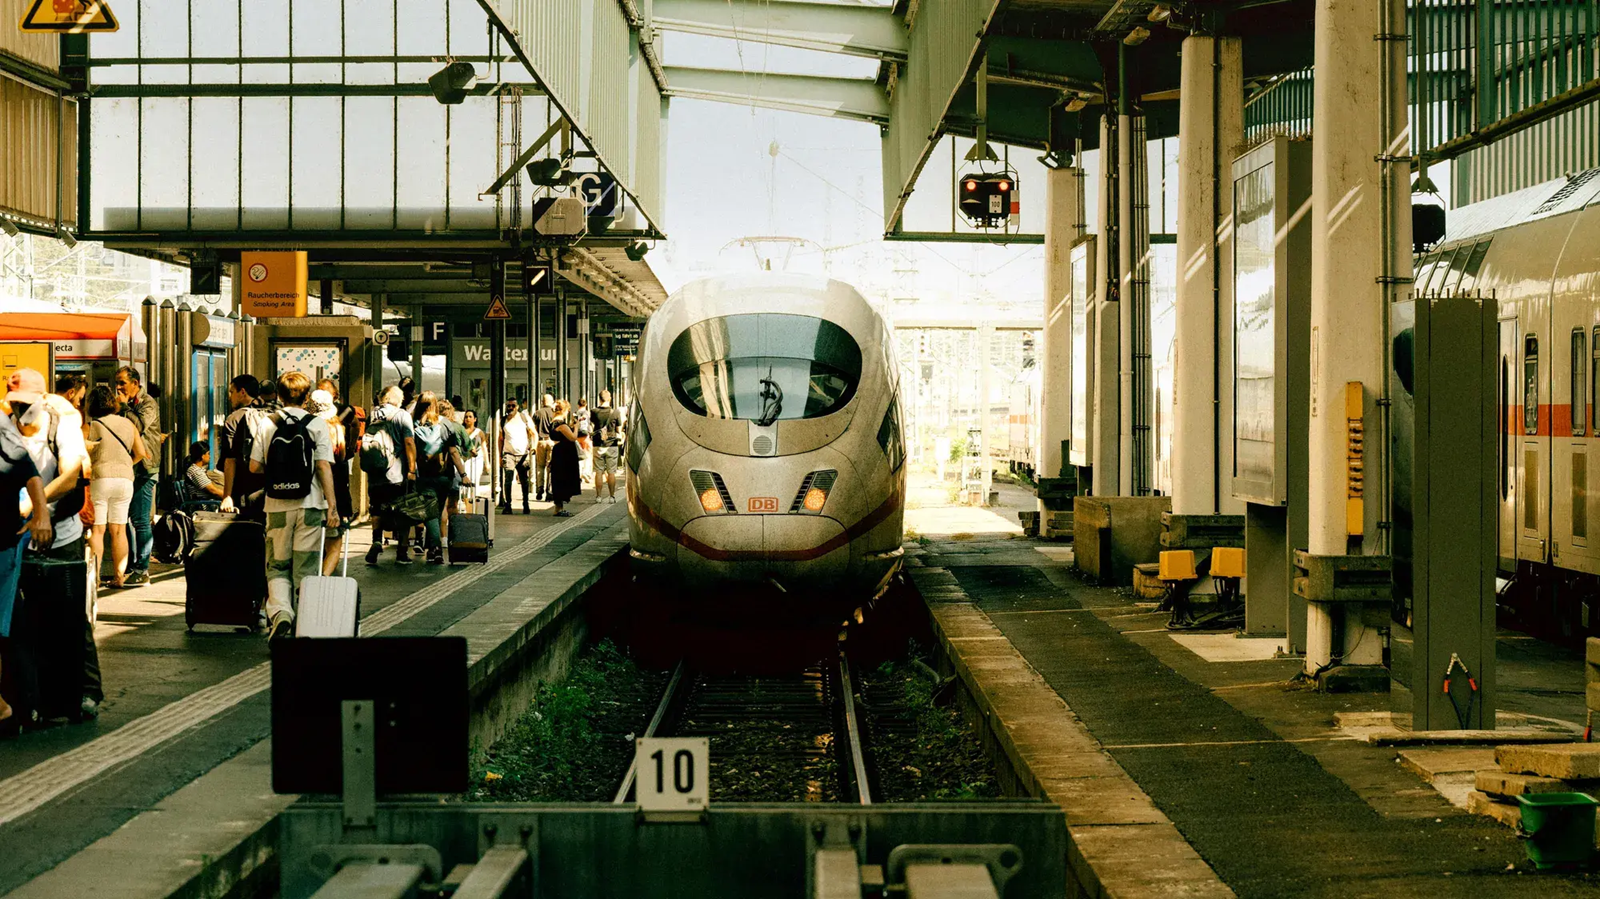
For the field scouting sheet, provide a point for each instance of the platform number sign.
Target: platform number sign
(673, 775)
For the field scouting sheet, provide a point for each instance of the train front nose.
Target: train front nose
(798, 552)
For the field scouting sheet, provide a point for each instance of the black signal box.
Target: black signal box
(986, 199)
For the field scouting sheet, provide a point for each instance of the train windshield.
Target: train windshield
(764, 367)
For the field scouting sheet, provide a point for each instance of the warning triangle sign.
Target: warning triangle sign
(497, 310)
(68, 17)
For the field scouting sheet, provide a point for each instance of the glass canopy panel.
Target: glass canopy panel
(221, 115)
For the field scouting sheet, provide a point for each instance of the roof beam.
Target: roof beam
(871, 31)
(945, 46)
(859, 99)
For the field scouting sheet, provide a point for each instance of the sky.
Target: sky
(737, 172)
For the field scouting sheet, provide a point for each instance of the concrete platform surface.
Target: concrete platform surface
(167, 777)
(1244, 764)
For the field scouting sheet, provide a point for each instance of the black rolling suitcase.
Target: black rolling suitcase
(225, 575)
(469, 537)
(44, 663)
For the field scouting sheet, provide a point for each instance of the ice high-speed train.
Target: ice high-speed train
(765, 446)
(1538, 251)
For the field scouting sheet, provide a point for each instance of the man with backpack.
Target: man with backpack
(606, 422)
(294, 450)
(242, 489)
(389, 457)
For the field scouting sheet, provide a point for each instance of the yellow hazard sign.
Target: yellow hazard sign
(68, 17)
(497, 310)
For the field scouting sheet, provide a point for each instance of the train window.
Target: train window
(1594, 382)
(1580, 496)
(1505, 425)
(890, 437)
(1530, 384)
(1458, 262)
(638, 437)
(1579, 409)
(1469, 277)
(764, 366)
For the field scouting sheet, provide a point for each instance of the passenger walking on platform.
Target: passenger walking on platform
(243, 490)
(389, 457)
(145, 414)
(516, 448)
(116, 450)
(203, 482)
(438, 468)
(582, 424)
(541, 452)
(53, 432)
(295, 451)
(607, 424)
(564, 483)
(325, 405)
(17, 476)
(475, 453)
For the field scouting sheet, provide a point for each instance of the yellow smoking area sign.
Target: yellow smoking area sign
(68, 17)
(272, 284)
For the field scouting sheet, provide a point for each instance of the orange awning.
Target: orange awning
(62, 325)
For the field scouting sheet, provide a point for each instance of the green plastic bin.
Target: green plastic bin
(1559, 828)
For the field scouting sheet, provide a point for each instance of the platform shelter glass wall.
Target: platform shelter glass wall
(304, 115)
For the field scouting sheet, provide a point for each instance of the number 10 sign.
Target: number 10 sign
(673, 775)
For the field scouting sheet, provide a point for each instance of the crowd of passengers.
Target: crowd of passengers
(84, 466)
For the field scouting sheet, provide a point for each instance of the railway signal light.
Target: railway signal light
(451, 83)
(988, 200)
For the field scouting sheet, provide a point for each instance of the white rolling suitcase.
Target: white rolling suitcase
(330, 606)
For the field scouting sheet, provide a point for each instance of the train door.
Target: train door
(1510, 427)
(1532, 419)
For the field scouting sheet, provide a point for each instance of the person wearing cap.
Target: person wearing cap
(52, 429)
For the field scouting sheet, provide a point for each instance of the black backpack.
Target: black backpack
(289, 465)
(174, 537)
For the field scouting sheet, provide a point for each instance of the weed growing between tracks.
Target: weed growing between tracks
(575, 741)
(922, 748)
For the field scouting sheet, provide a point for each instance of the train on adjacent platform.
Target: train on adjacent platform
(765, 451)
(1537, 252)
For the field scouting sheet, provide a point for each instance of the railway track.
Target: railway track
(789, 738)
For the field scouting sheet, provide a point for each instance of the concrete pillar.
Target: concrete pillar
(418, 335)
(1361, 240)
(985, 405)
(1106, 326)
(1210, 127)
(1063, 226)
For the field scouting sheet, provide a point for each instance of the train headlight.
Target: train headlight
(814, 490)
(710, 500)
(712, 493)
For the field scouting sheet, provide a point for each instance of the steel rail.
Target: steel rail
(853, 732)
(668, 697)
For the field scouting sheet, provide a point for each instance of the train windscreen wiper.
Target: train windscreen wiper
(771, 401)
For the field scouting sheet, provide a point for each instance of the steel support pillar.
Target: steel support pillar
(1360, 262)
(417, 336)
(1106, 326)
(1063, 226)
(1210, 125)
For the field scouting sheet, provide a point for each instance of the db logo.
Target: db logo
(763, 504)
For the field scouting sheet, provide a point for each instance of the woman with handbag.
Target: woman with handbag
(564, 482)
(438, 466)
(115, 447)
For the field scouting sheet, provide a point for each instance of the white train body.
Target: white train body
(728, 487)
(1537, 251)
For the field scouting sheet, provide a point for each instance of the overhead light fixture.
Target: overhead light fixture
(636, 250)
(9, 227)
(1137, 36)
(1160, 12)
(1077, 104)
(451, 83)
(65, 236)
(550, 171)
